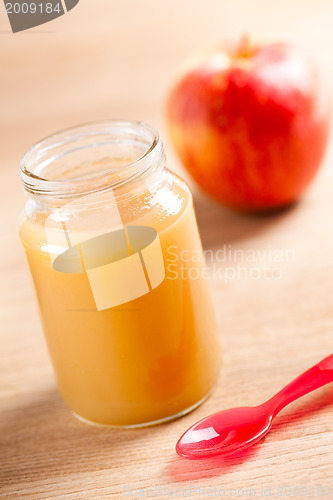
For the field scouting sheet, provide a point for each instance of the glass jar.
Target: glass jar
(113, 247)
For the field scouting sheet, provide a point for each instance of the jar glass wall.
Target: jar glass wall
(113, 248)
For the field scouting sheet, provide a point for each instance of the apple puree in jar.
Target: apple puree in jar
(128, 321)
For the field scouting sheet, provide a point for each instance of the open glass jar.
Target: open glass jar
(113, 247)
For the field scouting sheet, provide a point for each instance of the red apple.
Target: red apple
(251, 123)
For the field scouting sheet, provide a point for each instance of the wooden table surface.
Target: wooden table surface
(108, 59)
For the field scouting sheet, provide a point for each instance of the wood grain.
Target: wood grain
(117, 59)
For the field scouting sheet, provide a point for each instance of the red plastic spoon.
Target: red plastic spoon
(231, 431)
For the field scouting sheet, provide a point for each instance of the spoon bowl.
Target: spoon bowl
(218, 433)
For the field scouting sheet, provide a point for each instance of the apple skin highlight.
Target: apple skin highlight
(251, 126)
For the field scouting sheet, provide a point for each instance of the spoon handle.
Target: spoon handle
(317, 376)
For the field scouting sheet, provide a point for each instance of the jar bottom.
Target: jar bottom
(146, 424)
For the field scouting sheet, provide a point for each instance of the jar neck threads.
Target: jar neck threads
(116, 154)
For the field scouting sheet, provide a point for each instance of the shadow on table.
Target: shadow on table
(181, 470)
(40, 436)
(220, 226)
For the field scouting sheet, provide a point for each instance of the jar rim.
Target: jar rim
(40, 156)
